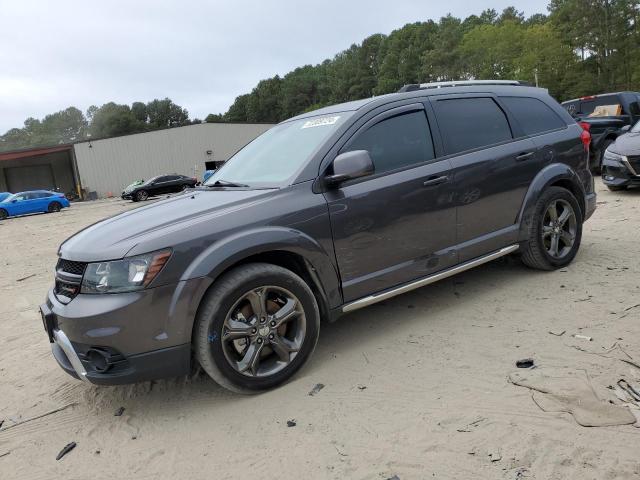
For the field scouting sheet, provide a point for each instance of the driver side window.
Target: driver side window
(396, 142)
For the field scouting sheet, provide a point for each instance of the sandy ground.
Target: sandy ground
(416, 387)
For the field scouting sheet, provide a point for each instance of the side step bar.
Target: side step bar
(407, 287)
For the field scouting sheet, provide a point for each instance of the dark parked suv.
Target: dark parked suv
(325, 213)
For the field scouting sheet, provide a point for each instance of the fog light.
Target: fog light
(99, 360)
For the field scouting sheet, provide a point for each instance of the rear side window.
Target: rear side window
(468, 123)
(533, 115)
(396, 142)
(588, 105)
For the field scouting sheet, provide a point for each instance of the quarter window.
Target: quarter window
(396, 142)
(468, 123)
(533, 115)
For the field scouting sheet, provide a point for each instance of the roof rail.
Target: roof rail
(461, 83)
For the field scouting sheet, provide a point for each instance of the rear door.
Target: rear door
(492, 169)
(399, 223)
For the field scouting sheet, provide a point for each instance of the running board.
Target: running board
(407, 287)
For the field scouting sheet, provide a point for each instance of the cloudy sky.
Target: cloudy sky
(201, 54)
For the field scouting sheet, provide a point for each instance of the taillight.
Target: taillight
(585, 135)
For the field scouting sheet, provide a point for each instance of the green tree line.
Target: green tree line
(111, 119)
(580, 47)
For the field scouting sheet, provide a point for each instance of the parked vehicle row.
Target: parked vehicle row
(141, 190)
(605, 117)
(326, 213)
(621, 161)
(37, 201)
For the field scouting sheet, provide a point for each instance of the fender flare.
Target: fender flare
(548, 176)
(224, 253)
(604, 136)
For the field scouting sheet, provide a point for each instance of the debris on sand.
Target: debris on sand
(119, 412)
(67, 448)
(316, 389)
(26, 278)
(525, 363)
(567, 391)
(495, 456)
(557, 334)
(291, 423)
(583, 337)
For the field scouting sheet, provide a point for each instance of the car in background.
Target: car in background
(621, 162)
(37, 201)
(605, 117)
(4, 195)
(157, 186)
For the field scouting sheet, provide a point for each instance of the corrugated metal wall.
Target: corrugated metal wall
(111, 164)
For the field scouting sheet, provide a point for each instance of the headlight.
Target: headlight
(126, 275)
(609, 155)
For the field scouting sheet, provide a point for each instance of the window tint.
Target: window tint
(588, 106)
(396, 142)
(467, 123)
(533, 115)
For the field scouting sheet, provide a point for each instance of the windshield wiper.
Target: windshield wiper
(226, 183)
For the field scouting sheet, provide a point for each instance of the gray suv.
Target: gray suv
(325, 213)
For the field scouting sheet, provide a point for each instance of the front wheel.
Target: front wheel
(256, 327)
(3, 214)
(555, 232)
(141, 196)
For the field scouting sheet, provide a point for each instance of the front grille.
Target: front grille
(634, 161)
(68, 279)
(69, 266)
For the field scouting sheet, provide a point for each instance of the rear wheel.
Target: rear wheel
(256, 327)
(556, 231)
(141, 196)
(3, 214)
(54, 207)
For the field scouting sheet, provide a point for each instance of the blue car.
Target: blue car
(4, 195)
(36, 201)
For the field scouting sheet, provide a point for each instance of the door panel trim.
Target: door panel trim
(371, 299)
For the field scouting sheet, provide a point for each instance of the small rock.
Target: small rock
(495, 456)
(291, 423)
(525, 363)
(67, 448)
(119, 412)
(316, 389)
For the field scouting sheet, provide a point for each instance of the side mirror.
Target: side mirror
(350, 165)
(625, 129)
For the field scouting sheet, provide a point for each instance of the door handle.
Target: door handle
(524, 156)
(429, 182)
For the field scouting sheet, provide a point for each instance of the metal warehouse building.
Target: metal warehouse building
(107, 165)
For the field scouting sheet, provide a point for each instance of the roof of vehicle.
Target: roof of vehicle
(440, 88)
(589, 97)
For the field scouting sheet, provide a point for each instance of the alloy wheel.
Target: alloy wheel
(559, 228)
(263, 331)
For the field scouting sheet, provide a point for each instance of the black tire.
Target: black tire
(212, 352)
(615, 188)
(54, 207)
(140, 196)
(3, 214)
(535, 253)
(597, 169)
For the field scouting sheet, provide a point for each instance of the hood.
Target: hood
(135, 184)
(154, 224)
(627, 144)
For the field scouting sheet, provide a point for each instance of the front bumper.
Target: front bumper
(617, 173)
(124, 338)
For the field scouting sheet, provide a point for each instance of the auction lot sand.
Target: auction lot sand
(416, 387)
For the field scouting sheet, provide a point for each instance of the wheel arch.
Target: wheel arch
(285, 247)
(554, 175)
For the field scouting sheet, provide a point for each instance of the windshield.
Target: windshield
(278, 154)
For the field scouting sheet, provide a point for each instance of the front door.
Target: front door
(399, 223)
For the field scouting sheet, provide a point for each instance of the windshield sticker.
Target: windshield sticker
(320, 122)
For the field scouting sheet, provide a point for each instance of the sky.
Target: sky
(201, 54)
